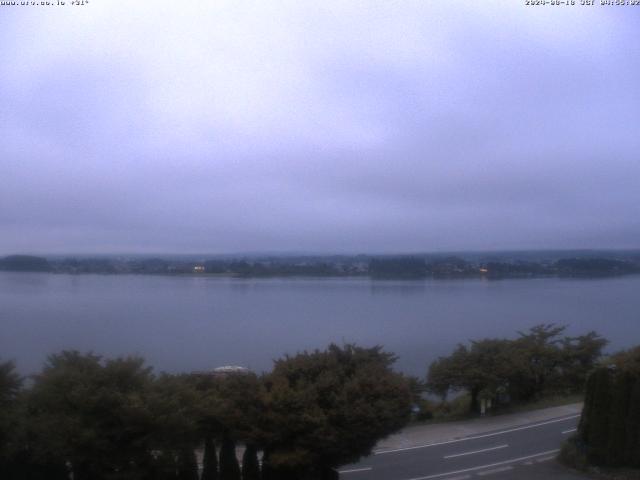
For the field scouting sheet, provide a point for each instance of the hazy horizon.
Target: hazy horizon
(293, 253)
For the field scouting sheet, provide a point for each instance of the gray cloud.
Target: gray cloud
(347, 126)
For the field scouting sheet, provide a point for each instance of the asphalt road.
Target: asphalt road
(517, 452)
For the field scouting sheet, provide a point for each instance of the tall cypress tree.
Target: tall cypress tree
(187, 465)
(618, 413)
(250, 465)
(598, 421)
(210, 460)
(267, 471)
(610, 423)
(165, 466)
(229, 468)
(632, 443)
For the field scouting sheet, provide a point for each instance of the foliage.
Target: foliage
(187, 465)
(610, 422)
(229, 467)
(24, 263)
(538, 362)
(94, 414)
(327, 408)
(209, 460)
(10, 384)
(113, 419)
(250, 464)
(400, 267)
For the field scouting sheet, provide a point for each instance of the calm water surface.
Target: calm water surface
(196, 323)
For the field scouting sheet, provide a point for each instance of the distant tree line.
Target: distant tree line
(102, 419)
(378, 267)
(539, 362)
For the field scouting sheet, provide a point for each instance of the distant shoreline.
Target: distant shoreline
(376, 268)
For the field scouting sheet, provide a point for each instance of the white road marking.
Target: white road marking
(482, 467)
(495, 470)
(476, 451)
(545, 459)
(516, 429)
(355, 470)
(571, 430)
(461, 477)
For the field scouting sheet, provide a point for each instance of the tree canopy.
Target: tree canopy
(538, 362)
(327, 408)
(113, 419)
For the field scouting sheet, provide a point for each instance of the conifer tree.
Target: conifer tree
(618, 411)
(229, 468)
(187, 465)
(632, 441)
(598, 421)
(210, 460)
(165, 467)
(610, 423)
(250, 465)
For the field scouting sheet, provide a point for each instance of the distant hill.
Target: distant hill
(24, 263)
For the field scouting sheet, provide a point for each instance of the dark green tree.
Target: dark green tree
(610, 424)
(210, 460)
(328, 408)
(229, 467)
(539, 362)
(10, 385)
(164, 466)
(250, 464)
(92, 414)
(187, 464)
(579, 356)
(481, 369)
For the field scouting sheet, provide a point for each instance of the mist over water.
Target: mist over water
(196, 323)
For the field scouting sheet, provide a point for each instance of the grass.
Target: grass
(572, 454)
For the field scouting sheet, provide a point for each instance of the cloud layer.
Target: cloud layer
(343, 126)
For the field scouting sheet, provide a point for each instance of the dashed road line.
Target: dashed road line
(482, 467)
(545, 459)
(356, 470)
(455, 455)
(495, 470)
(476, 437)
(571, 430)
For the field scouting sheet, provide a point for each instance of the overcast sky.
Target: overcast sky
(230, 126)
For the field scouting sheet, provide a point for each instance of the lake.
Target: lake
(198, 323)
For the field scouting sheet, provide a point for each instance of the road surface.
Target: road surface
(515, 452)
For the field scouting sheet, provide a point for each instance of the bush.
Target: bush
(573, 454)
(610, 422)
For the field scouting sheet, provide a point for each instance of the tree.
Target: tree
(229, 468)
(610, 422)
(536, 363)
(250, 465)
(482, 369)
(400, 267)
(210, 460)
(10, 385)
(328, 408)
(579, 356)
(92, 414)
(175, 406)
(24, 263)
(187, 464)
